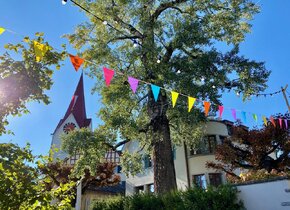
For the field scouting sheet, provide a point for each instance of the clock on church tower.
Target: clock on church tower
(69, 127)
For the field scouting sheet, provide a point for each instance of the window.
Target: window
(112, 156)
(147, 161)
(119, 169)
(199, 181)
(174, 152)
(222, 139)
(139, 189)
(215, 179)
(151, 188)
(207, 146)
(72, 159)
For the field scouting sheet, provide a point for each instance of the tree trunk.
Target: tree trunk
(163, 164)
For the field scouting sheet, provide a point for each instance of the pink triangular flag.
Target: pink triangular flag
(133, 83)
(221, 109)
(280, 123)
(108, 74)
(286, 123)
(234, 113)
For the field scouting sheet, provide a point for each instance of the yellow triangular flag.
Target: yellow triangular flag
(190, 103)
(40, 50)
(2, 30)
(174, 96)
(265, 120)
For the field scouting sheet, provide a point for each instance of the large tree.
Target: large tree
(182, 35)
(264, 148)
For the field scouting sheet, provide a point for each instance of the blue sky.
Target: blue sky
(269, 41)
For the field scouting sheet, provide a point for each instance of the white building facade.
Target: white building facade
(190, 165)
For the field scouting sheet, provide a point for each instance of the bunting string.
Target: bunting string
(41, 49)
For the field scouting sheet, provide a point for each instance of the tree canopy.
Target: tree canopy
(130, 36)
(266, 148)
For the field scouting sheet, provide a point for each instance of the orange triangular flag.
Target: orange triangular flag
(206, 105)
(76, 61)
(273, 121)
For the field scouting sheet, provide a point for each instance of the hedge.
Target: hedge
(221, 198)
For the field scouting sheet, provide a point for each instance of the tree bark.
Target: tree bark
(163, 163)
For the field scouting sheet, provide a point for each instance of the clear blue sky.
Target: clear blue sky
(269, 41)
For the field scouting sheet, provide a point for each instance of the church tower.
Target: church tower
(74, 118)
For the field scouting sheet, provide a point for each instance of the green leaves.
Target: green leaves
(25, 80)
(22, 186)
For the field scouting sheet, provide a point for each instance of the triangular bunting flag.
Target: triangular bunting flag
(280, 123)
(191, 101)
(206, 105)
(76, 61)
(255, 117)
(265, 120)
(221, 109)
(234, 113)
(155, 90)
(286, 123)
(133, 83)
(272, 121)
(174, 96)
(108, 74)
(40, 50)
(244, 116)
(2, 30)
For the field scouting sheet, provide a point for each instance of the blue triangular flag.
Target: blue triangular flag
(244, 116)
(155, 90)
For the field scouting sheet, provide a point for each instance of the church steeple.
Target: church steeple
(77, 107)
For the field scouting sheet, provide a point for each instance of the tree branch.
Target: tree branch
(128, 26)
(122, 38)
(114, 147)
(165, 6)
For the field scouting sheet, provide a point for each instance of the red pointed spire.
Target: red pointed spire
(77, 107)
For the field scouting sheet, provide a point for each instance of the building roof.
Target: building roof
(77, 107)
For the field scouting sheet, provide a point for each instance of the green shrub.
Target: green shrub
(112, 203)
(223, 197)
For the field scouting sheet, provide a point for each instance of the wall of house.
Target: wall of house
(196, 163)
(273, 195)
(180, 168)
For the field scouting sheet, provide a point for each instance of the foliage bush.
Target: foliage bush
(260, 175)
(223, 197)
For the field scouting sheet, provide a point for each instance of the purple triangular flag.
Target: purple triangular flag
(133, 83)
(234, 113)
